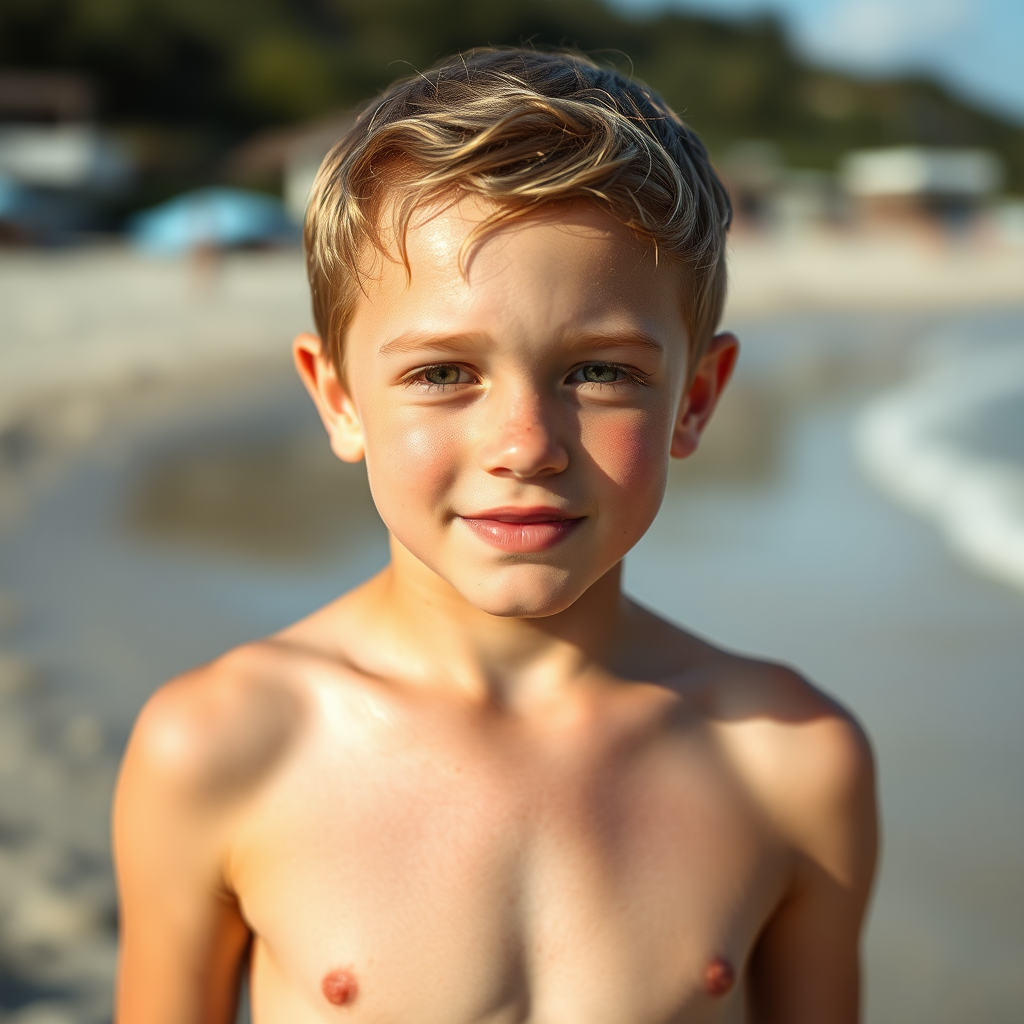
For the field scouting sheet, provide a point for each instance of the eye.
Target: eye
(448, 373)
(606, 373)
(439, 377)
(600, 373)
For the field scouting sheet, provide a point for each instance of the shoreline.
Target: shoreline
(915, 444)
(878, 270)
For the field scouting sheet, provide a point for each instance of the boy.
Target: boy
(485, 785)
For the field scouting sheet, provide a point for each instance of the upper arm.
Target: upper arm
(183, 938)
(805, 968)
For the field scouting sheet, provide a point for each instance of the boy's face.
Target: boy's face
(516, 412)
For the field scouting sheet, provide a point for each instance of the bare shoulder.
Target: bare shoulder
(217, 733)
(214, 733)
(803, 756)
(774, 715)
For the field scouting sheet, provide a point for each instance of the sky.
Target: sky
(974, 46)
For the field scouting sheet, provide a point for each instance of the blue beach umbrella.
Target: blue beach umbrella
(220, 218)
(20, 207)
(13, 197)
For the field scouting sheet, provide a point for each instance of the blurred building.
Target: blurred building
(919, 184)
(287, 159)
(768, 195)
(753, 170)
(54, 157)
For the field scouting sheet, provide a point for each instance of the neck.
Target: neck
(441, 639)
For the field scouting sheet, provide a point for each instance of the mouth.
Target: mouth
(522, 530)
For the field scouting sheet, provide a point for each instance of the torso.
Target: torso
(414, 861)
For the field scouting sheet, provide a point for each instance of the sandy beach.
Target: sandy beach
(165, 492)
(77, 320)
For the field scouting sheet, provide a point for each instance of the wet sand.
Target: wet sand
(148, 521)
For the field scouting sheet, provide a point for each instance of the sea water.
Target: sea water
(950, 445)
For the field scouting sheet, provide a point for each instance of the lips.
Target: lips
(522, 530)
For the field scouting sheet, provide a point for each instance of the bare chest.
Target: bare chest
(460, 885)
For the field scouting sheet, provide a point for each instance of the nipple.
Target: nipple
(719, 976)
(339, 987)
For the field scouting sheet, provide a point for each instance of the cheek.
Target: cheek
(409, 463)
(631, 451)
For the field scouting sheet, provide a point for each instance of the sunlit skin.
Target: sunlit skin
(486, 786)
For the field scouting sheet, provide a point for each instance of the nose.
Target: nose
(522, 439)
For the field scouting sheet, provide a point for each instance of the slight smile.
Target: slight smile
(522, 530)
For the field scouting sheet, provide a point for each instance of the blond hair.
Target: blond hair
(522, 128)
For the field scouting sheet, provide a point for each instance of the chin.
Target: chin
(524, 591)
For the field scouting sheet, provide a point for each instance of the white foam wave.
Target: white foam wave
(913, 444)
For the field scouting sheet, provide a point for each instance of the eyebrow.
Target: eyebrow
(412, 341)
(627, 339)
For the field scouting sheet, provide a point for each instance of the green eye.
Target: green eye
(441, 375)
(600, 373)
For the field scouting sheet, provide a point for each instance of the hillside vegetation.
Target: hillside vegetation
(221, 69)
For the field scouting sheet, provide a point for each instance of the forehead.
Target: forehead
(565, 269)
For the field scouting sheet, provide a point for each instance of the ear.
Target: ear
(709, 381)
(330, 396)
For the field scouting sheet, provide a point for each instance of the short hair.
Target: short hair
(523, 128)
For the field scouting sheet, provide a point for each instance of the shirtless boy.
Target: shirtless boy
(486, 786)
